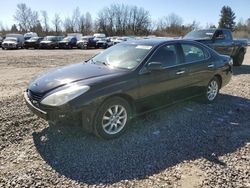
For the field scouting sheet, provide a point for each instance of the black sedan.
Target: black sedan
(68, 42)
(33, 42)
(126, 80)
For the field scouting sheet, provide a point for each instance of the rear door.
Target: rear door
(199, 68)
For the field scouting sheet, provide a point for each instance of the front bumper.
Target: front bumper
(64, 45)
(35, 109)
(101, 45)
(9, 46)
(31, 45)
(85, 115)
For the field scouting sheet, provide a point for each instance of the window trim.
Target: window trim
(166, 44)
(205, 51)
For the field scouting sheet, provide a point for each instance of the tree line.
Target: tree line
(116, 19)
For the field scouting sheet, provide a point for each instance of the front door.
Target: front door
(160, 87)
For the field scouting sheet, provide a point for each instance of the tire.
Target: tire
(212, 90)
(82, 47)
(112, 118)
(238, 60)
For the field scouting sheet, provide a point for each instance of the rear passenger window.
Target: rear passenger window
(192, 53)
(166, 55)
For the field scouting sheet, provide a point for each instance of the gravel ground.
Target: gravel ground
(186, 145)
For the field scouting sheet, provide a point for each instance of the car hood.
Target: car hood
(69, 74)
(46, 42)
(82, 41)
(30, 41)
(9, 42)
(64, 42)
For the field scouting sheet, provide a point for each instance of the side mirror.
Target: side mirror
(155, 66)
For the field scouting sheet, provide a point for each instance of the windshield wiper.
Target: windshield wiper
(102, 62)
(99, 62)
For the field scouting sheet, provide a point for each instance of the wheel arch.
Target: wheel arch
(126, 97)
(219, 77)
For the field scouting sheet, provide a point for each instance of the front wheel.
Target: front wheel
(112, 118)
(212, 90)
(238, 60)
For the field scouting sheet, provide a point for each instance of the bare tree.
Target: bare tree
(119, 19)
(25, 17)
(14, 28)
(57, 23)
(172, 25)
(68, 25)
(82, 24)
(2, 29)
(88, 23)
(45, 21)
(173, 20)
(76, 20)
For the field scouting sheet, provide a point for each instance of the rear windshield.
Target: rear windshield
(67, 38)
(200, 34)
(34, 38)
(50, 38)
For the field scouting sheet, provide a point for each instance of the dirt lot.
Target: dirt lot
(186, 145)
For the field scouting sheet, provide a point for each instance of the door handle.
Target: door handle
(211, 66)
(180, 72)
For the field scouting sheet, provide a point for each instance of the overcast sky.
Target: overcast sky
(202, 11)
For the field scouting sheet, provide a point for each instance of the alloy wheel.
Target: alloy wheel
(212, 90)
(114, 119)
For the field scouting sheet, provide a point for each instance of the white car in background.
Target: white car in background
(29, 35)
(13, 41)
(122, 39)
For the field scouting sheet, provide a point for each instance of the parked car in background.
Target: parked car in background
(128, 79)
(68, 42)
(33, 42)
(29, 35)
(99, 35)
(13, 41)
(121, 39)
(78, 36)
(86, 42)
(103, 43)
(248, 42)
(222, 41)
(50, 42)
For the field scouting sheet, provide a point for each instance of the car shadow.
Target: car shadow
(155, 142)
(243, 69)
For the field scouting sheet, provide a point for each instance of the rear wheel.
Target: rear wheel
(112, 118)
(212, 90)
(238, 60)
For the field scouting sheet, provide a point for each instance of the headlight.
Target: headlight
(61, 97)
(231, 62)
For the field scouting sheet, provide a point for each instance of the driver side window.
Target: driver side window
(167, 55)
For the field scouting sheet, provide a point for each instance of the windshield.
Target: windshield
(11, 39)
(67, 39)
(126, 56)
(34, 38)
(200, 34)
(49, 38)
(102, 39)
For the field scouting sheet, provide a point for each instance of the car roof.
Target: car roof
(158, 41)
(151, 42)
